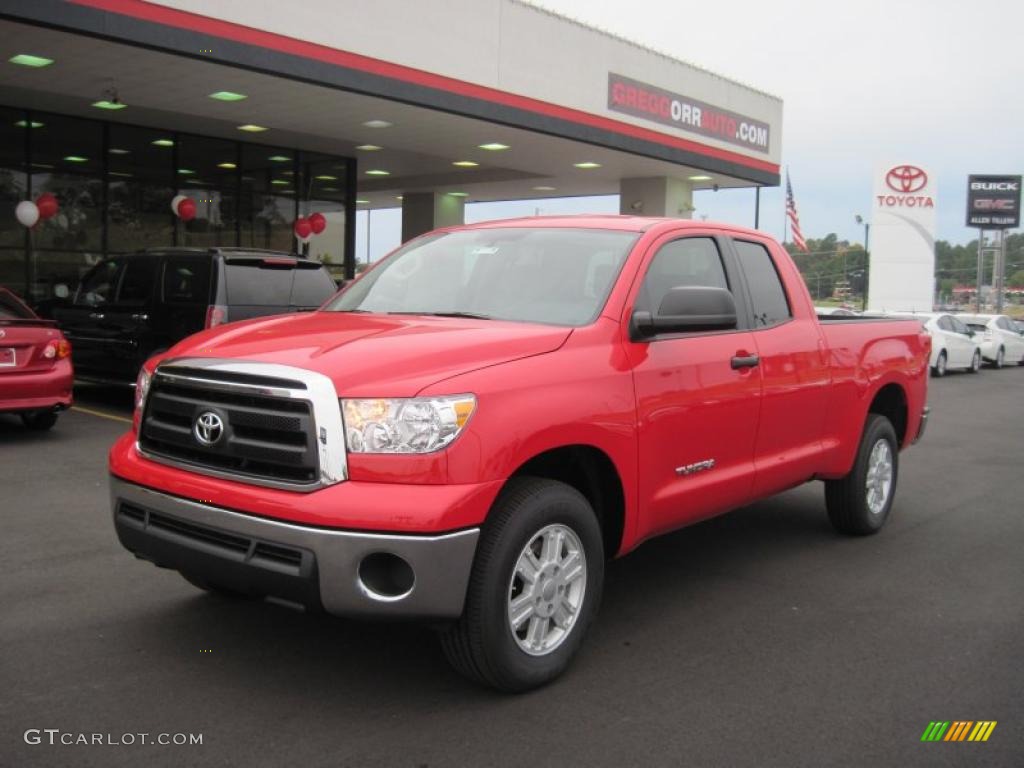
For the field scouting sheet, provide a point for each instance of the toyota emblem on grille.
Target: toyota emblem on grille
(208, 428)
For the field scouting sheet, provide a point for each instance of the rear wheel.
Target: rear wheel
(976, 361)
(859, 504)
(39, 420)
(535, 588)
(940, 365)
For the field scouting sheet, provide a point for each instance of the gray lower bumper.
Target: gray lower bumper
(292, 561)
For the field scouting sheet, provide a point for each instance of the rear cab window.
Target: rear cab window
(768, 298)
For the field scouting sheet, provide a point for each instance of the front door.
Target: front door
(697, 410)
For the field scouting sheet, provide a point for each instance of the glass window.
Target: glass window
(13, 130)
(137, 281)
(541, 275)
(97, 287)
(692, 261)
(12, 308)
(267, 204)
(252, 282)
(207, 173)
(187, 279)
(945, 324)
(324, 192)
(958, 326)
(311, 287)
(766, 291)
(141, 186)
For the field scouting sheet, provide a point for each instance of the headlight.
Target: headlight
(406, 425)
(141, 389)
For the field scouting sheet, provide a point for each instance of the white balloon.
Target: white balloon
(174, 203)
(27, 213)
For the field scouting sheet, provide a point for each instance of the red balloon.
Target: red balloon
(47, 205)
(303, 228)
(187, 209)
(318, 223)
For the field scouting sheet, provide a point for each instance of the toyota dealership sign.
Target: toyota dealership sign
(902, 268)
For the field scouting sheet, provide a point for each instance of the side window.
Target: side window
(766, 292)
(945, 324)
(692, 261)
(958, 326)
(97, 288)
(1003, 323)
(186, 280)
(137, 281)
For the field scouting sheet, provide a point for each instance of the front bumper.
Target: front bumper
(318, 567)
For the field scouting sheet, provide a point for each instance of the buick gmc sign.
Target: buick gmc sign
(631, 97)
(993, 202)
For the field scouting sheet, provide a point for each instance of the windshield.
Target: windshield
(544, 275)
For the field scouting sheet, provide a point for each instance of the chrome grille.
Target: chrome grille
(277, 430)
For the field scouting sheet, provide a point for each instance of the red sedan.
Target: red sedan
(35, 365)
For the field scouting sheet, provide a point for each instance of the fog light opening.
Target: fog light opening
(386, 577)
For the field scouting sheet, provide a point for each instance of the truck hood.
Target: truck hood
(375, 355)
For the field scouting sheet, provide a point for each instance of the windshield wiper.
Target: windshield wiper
(471, 315)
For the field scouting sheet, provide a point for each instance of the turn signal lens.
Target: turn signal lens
(63, 349)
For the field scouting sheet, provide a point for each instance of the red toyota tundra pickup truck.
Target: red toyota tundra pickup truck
(468, 431)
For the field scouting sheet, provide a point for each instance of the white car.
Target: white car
(1001, 342)
(954, 345)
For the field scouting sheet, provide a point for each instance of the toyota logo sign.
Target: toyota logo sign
(208, 428)
(906, 179)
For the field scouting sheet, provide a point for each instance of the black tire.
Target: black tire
(940, 365)
(39, 421)
(976, 362)
(1000, 358)
(215, 589)
(847, 498)
(481, 644)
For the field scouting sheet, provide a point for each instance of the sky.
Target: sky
(939, 84)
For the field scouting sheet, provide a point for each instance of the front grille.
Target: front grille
(266, 435)
(229, 545)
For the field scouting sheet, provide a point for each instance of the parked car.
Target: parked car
(128, 308)
(1001, 342)
(466, 432)
(835, 311)
(35, 366)
(954, 345)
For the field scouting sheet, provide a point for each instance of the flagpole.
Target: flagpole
(785, 210)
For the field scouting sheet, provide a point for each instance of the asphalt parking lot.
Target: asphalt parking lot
(758, 638)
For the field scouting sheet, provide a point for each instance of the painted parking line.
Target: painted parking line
(101, 414)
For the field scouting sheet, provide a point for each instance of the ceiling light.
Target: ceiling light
(458, 194)
(278, 159)
(377, 172)
(28, 60)
(228, 96)
(699, 178)
(378, 124)
(368, 148)
(75, 159)
(104, 104)
(227, 166)
(465, 164)
(250, 128)
(163, 143)
(119, 151)
(398, 197)
(27, 124)
(545, 189)
(587, 164)
(494, 147)
(185, 171)
(362, 202)
(279, 182)
(326, 177)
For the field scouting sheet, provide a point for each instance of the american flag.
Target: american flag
(794, 218)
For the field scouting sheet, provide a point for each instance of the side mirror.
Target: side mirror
(688, 308)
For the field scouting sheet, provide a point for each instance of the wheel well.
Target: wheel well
(592, 473)
(891, 402)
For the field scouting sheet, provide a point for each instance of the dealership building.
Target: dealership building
(264, 112)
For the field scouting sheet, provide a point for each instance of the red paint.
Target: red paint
(649, 407)
(41, 377)
(260, 38)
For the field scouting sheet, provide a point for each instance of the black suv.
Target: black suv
(130, 307)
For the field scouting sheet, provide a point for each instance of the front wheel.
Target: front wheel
(534, 590)
(976, 361)
(940, 365)
(1000, 358)
(859, 504)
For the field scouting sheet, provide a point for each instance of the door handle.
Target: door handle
(140, 316)
(96, 315)
(745, 361)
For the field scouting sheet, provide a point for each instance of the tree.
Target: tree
(1016, 279)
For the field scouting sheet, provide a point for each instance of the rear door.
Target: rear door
(794, 373)
(183, 297)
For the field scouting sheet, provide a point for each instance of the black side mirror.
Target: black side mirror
(688, 308)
